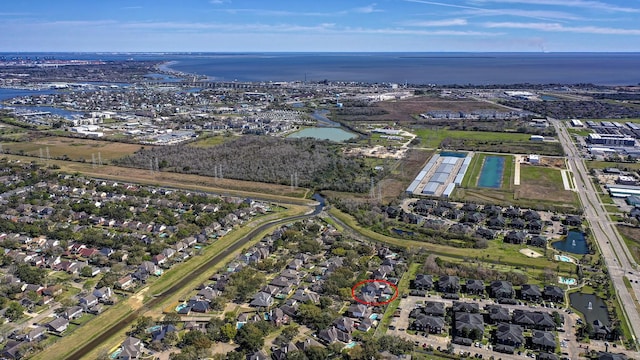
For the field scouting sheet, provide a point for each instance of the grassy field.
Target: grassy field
(473, 172)
(544, 184)
(608, 164)
(433, 138)
(579, 131)
(504, 255)
(540, 187)
(403, 287)
(74, 149)
(631, 236)
(213, 140)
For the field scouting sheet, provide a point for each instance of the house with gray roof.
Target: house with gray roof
(262, 299)
(544, 340)
(449, 284)
(501, 289)
(553, 293)
(431, 324)
(498, 314)
(474, 286)
(530, 292)
(423, 282)
(58, 325)
(468, 325)
(510, 335)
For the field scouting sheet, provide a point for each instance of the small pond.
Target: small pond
(592, 307)
(574, 243)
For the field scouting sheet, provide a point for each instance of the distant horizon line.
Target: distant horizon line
(317, 52)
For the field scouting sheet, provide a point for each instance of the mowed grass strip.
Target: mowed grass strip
(474, 170)
(496, 252)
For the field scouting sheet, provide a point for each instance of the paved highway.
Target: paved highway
(615, 253)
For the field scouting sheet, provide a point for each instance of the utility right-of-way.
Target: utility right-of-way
(615, 253)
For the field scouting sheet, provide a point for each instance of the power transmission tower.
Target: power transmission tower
(221, 177)
(99, 159)
(93, 160)
(372, 191)
(48, 157)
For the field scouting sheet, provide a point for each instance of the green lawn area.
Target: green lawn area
(631, 236)
(579, 131)
(433, 138)
(608, 164)
(211, 140)
(498, 252)
(403, 287)
(473, 172)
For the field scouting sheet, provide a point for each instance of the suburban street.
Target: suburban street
(614, 251)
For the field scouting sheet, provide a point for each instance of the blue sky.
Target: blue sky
(320, 25)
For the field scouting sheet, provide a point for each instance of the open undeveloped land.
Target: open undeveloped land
(75, 149)
(406, 110)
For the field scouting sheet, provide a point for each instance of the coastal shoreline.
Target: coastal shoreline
(166, 68)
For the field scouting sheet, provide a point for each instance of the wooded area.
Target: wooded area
(314, 164)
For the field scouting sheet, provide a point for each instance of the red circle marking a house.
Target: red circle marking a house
(375, 289)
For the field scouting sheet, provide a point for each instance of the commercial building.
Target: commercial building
(611, 140)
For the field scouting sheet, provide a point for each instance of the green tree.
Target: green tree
(14, 312)
(317, 353)
(228, 331)
(250, 337)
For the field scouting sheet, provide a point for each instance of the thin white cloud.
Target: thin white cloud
(131, 7)
(437, 23)
(478, 11)
(217, 2)
(265, 12)
(586, 4)
(554, 27)
(531, 14)
(367, 9)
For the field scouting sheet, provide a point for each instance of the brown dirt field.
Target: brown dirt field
(76, 149)
(542, 191)
(402, 110)
(558, 163)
